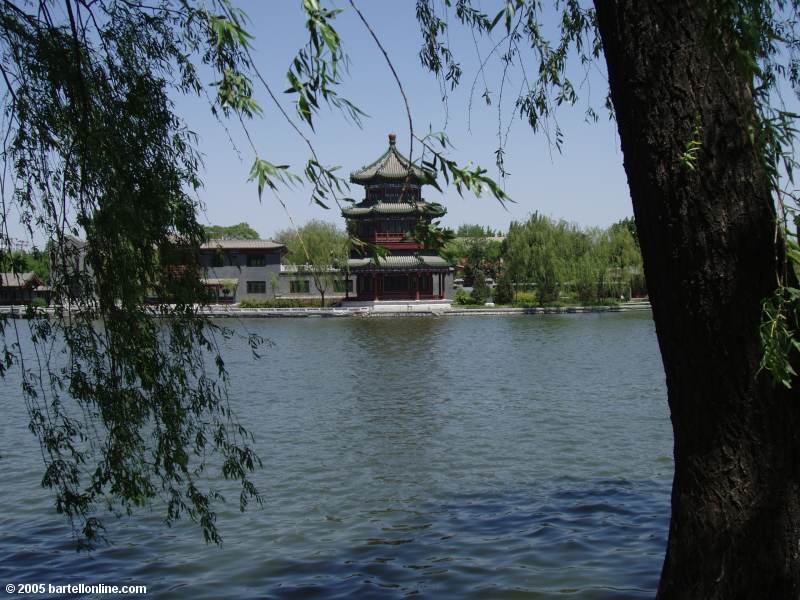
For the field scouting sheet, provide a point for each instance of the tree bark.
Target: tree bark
(707, 230)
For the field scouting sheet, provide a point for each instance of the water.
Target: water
(461, 457)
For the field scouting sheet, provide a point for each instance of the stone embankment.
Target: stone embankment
(397, 310)
(552, 310)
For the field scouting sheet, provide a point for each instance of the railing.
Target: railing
(389, 237)
(397, 296)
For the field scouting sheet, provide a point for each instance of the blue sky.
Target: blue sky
(585, 184)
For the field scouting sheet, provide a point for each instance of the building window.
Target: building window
(256, 287)
(298, 286)
(340, 285)
(365, 228)
(256, 260)
(218, 259)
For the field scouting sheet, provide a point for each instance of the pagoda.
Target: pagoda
(393, 206)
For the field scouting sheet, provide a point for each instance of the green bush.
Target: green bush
(504, 291)
(280, 303)
(479, 290)
(39, 303)
(526, 298)
(462, 297)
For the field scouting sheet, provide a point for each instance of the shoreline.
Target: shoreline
(227, 312)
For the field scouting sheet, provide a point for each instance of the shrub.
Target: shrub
(462, 297)
(526, 298)
(479, 290)
(279, 303)
(504, 291)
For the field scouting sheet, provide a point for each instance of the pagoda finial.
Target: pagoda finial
(392, 139)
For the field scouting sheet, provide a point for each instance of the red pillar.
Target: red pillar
(417, 290)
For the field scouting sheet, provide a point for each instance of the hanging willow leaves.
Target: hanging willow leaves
(129, 401)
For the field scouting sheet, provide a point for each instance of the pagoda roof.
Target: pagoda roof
(367, 208)
(392, 166)
(398, 262)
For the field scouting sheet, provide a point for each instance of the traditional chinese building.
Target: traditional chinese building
(391, 209)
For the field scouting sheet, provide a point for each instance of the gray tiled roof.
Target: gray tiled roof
(16, 280)
(241, 245)
(394, 208)
(398, 261)
(391, 166)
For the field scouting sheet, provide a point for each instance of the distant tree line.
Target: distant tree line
(553, 259)
(240, 231)
(468, 230)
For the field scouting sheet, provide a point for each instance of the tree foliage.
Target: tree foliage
(132, 406)
(316, 242)
(469, 230)
(240, 231)
(19, 261)
(504, 290)
(480, 291)
(321, 248)
(473, 253)
(557, 256)
(94, 148)
(766, 51)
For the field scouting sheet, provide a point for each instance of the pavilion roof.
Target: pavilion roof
(398, 262)
(367, 208)
(392, 166)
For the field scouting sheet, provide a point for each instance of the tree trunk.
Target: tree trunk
(707, 231)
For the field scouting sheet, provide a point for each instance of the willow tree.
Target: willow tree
(93, 145)
(129, 400)
(318, 248)
(691, 85)
(695, 88)
(129, 409)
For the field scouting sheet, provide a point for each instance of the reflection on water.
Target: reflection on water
(442, 457)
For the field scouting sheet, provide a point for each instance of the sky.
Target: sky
(585, 183)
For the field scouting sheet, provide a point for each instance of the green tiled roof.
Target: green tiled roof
(398, 261)
(363, 209)
(391, 166)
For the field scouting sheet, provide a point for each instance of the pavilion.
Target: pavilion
(393, 206)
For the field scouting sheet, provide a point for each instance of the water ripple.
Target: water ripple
(439, 458)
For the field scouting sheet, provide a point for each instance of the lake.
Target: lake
(450, 457)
